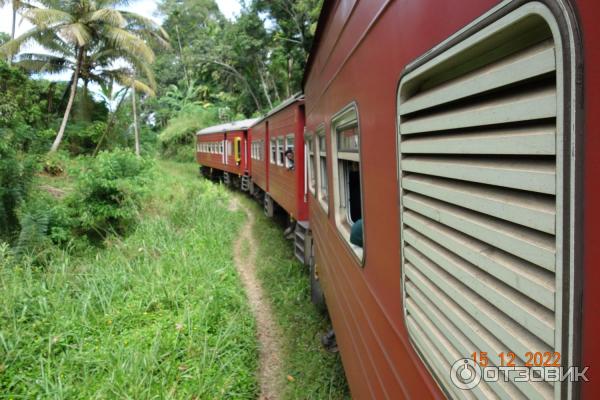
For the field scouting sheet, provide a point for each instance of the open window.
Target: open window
(280, 151)
(346, 170)
(312, 178)
(237, 146)
(289, 145)
(323, 186)
(273, 151)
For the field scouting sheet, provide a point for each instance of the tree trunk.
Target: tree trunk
(15, 6)
(111, 122)
(14, 24)
(135, 125)
(289, 79)
(63, 125)
(264, 85)
(185, 71)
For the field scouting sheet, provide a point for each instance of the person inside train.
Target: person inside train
(289, 154)
(356, 233)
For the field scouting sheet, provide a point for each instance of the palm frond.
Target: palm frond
(12, 47)
(46, 17)
(76, 33)
(127, 41)
(43, 63)
(108, 16)
(139, 22)
(125, 78)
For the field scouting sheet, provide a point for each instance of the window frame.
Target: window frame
(322, 156)
(310, 139)
(273, 158)
(280, 150)
(346, 118)
(289, 137)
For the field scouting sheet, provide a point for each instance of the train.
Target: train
(439, 169)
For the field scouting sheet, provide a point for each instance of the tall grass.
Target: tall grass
(312, 372)
(159, 314)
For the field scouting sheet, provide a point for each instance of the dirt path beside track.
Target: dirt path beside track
(270, 365)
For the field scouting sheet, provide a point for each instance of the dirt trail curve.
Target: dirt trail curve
(270, 364)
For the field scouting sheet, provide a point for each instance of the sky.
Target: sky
(229, 8)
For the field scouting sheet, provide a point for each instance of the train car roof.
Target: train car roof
(296, 97)
(241, 125)
(325, 11)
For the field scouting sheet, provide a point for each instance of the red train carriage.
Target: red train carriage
(222, 151)
(453, 133)
(281, 175)
(259, 156)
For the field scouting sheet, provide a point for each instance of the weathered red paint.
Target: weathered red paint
(361, 49)
(211, 160)
(259, 170)
(285, 186)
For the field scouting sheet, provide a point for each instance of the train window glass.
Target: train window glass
(289, 145)
(261, 150)
(323, 187)
(221, 148)
(280, 151)
(273, 152)
(312, 178)
(347, 196)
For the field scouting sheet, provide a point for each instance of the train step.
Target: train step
(245, 183)
(226, 178)
(302, 242)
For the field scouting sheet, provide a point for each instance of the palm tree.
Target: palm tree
(16, 6)
(87, 35)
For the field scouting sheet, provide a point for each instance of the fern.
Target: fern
(34, 231)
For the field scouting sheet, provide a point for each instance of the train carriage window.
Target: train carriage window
(347, 177)
(221, 148)
(312, 178)
(261, 149)
(280, 151)
(273, 152)
(323, 186)
(289, 145)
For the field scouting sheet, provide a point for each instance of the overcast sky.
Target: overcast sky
(230, 8)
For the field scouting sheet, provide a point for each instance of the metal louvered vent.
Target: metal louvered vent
(480, 201)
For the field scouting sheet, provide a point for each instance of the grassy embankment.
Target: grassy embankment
(158, 314)
(315, 374)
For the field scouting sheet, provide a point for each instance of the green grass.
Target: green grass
(158, 314)
(316, 374)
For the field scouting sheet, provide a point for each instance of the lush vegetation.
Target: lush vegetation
(116, 268)
(158, 314)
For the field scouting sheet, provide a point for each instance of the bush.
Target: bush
(178, 137)
(109, 192)
(55, 163)
(16, 175)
